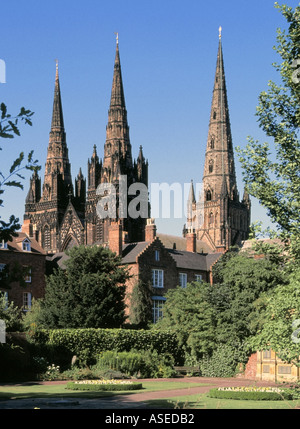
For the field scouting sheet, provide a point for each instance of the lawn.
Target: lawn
(202, 401)
(36, 390)
(198, 401)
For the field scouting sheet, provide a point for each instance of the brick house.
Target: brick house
(22, 270)
(163, 262)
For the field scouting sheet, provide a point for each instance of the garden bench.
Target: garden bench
(187, 369)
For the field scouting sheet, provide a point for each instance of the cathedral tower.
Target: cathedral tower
(117, 161)
(53, 215)
(220, 219)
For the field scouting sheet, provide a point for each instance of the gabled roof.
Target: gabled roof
(183, 259)
(132, 250)
(16, 244)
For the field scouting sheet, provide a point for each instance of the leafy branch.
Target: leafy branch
(9, 128)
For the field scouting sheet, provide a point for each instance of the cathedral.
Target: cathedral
(60, 215)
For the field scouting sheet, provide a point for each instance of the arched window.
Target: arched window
(215, 115)
(211, 219)
(208, 195)
(47, 238)
(211, 166)
(212, 143)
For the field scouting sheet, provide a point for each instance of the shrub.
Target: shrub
(87, 344)
(144, 364)
(223, 362)
(104, 385)
(248, 393)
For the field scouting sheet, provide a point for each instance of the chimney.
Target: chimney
(150, 230)
(115, 241)
(191, 241)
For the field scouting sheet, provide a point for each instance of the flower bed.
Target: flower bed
(103, 385)
(251, 393)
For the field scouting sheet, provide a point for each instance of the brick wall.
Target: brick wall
(37, 264)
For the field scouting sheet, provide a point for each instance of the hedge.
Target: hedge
(103, 387)
(91, 342)
(250, 395)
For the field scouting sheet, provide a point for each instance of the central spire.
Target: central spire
(117, 149)
(57, 114)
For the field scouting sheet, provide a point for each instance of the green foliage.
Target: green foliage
(224, 361)
(271, 174)
(128, 363)
(9, 128)
(140, 305)
(10, 314)
(245, 279)
(88, 293)
(142, 364)
(188, 313)
(109, 387)
(91, 342)
(281, 321)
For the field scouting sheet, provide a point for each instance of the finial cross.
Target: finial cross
(117, 38)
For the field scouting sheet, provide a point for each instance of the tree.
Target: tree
(9, 128)
(10, 314)
(187, 312)
(88, 293)
(271, 174)
(245, 279)
(281, 322)
(141, 305)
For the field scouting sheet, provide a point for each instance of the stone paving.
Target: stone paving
(132, 401)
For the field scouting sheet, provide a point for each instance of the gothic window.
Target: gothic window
(212, 143)
(211, 219)
(211, 166)
(215, 115)
(208, 195)
(47, 238)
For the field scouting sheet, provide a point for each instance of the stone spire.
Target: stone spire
(57, 179)
(219, 157)
(57, 114)
(117, 148)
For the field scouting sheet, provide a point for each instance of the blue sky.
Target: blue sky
(168, 51)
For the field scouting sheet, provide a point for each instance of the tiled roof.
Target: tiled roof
(179, 243)
(132, 250)
(16, 244)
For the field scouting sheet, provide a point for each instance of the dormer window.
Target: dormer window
(26, 246)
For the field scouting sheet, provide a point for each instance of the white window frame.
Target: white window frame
(157, 308)
(183, 280)
(198, 277)
(27, 301)
(3, 244)
(26, 246)
(158, 278)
